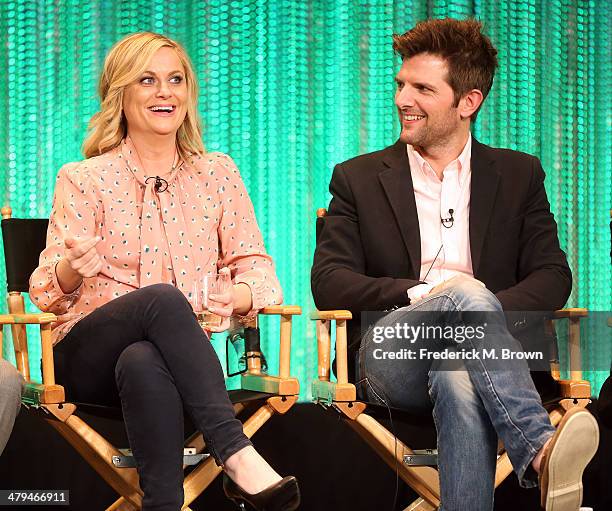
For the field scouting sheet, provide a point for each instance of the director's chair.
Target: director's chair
(416, 468)
(260, 395)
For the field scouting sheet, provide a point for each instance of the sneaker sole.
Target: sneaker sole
(574, 448)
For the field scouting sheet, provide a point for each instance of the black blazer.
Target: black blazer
(368, 249)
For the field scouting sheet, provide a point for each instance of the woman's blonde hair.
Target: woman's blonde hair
(124, 64)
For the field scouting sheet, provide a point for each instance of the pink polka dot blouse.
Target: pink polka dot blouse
(202, 222)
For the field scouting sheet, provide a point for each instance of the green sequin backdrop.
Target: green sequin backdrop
(289, 88)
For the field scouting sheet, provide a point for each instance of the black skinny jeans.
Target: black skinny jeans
(147, 350)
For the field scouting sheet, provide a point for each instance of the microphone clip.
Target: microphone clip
(161, 185)
(448, 222)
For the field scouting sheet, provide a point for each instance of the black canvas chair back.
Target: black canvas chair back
(24, 240)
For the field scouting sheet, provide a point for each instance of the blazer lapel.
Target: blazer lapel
(396, 181)
(483, 189)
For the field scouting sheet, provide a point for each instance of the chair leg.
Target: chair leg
(98, 452)
(122, 505)
(196, 441)
(420, 505)
(423, 480)
(200, 478)
(503, 469)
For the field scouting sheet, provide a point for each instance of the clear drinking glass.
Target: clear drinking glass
(217, 283)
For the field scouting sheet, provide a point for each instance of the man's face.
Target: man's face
(424, 101)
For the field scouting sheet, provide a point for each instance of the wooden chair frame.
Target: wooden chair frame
(281, 394)
(342, 396)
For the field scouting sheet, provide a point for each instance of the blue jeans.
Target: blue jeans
(475, 400)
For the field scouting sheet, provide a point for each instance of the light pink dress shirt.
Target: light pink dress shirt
(203, 221)
(445, 251)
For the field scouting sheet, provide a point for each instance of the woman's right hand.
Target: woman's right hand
(81, 260)
(83, 256)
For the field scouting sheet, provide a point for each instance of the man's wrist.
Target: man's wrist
(416, 293)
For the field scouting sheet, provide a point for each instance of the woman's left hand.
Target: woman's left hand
(237, 299)
(223, 304)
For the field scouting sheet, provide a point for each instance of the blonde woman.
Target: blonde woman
(132, 226)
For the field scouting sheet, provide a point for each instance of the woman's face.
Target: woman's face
(156, 104)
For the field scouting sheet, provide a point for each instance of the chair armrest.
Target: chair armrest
(282, 384)
(571, 313)
(285, 310)
(575, 359)
(331, 315)
(322, 389)
(44, 319)
(6, 319)
(36, 394)
(39, 318)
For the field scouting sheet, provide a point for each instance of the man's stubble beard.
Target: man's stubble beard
(437, 135)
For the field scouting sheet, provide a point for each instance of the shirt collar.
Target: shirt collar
(128, 153)
(462, 161)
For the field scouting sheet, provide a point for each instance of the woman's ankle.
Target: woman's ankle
(249, 470)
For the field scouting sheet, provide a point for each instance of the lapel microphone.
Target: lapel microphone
(446, 222)
(161, 185)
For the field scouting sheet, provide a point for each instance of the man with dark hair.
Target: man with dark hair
(440, 223)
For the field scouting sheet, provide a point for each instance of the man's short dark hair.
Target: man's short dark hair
(470, 56)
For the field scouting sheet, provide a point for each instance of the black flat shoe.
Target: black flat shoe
(282, 496)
